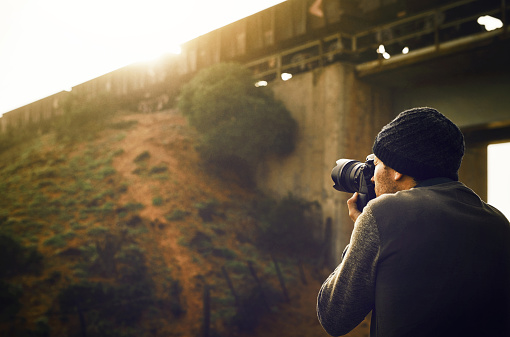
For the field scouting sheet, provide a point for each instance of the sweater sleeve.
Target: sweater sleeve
(347, 295)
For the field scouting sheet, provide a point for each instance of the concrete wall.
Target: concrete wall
(469, 100)
(338, 117)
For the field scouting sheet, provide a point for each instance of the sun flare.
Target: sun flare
(48, 46)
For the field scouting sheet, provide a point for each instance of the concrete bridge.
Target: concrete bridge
(344, 68)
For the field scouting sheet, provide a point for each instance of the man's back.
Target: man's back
(444, 264)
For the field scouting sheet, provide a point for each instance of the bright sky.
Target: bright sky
(498, 179)
(51, 45)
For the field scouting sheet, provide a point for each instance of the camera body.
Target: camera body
(354, 176)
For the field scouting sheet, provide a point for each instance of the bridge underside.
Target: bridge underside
(486, 53)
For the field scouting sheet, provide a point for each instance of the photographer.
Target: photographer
(427, 256)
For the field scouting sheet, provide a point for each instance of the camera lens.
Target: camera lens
(346, 175)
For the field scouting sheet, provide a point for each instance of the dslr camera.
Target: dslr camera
(354, 176)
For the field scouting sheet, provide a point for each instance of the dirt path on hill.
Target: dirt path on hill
(167, 140)
(170, 142)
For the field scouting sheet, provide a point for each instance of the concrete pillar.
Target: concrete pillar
(473, 170)
(338, 117)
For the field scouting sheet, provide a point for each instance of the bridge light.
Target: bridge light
(386, 55)
(286, 76)
(405, 50)
(381, 49)
(490, 23)
(261, 84)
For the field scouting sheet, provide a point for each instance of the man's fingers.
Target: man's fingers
(353, 207)
(353, 199)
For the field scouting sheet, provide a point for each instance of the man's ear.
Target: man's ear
(397, 176)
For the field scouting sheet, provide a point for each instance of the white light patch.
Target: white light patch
(498, 180)
(489, 22)
(286, 76)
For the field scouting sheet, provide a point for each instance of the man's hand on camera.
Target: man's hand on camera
(353, 207)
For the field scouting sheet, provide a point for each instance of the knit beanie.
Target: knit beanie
(421, 143)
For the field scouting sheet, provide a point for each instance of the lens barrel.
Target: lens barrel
(346, 175)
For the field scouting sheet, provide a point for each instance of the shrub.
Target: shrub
(115, 303)
(57, 241)
(286, 226)
(202, 243)
(236, 267)
(105, 172)
(255, 302)
(207, 209)
(77, 226)
(174, 289)
(158, 169)
(16, 259)
(107, 305)
(142, 156)
(133, 206)
(224, 253)
(157, 201)
(177, 214)
(240, 124)
(9, 295)
(98, 231)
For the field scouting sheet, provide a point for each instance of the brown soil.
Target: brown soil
(170, 141)
(184, 183)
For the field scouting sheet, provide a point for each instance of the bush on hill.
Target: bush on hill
(286, 226)
(240, 123)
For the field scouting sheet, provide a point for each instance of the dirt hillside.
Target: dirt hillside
(143, 176)
(170, 141)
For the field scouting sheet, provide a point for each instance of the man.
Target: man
(427, 256)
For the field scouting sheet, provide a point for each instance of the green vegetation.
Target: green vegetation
(73, 229)
(157, 201)
(176, 214)
(142, 157)
(83, 118)
(15, 259)
(57, 241)
(63, 198)
(158, 169)
(207, 209)
(240, 124)
(286, 226)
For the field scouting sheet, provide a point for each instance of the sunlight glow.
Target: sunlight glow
(49, 46)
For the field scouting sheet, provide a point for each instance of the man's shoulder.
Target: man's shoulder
(414, 198)
(389, 200)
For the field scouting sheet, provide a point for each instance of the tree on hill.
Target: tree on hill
(240, 123)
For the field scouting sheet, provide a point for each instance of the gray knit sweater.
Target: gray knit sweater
(347, 296)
